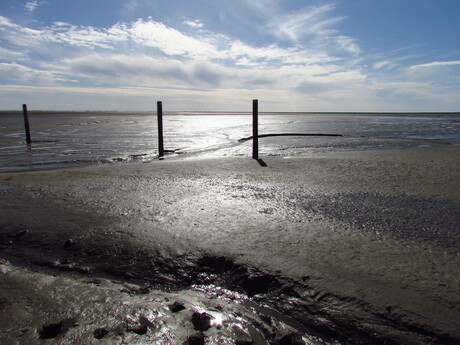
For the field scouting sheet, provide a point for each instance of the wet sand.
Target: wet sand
(362, 247)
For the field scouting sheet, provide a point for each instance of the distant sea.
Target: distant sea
(76, 139)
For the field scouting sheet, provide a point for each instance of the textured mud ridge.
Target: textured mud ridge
(325, 313)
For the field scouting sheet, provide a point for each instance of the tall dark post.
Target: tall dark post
(26, 123)
(160, 129)
(255, 129)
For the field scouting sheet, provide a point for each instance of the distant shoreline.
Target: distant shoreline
(217, 113)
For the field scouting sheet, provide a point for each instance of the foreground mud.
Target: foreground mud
(44, 307)
(352, 248)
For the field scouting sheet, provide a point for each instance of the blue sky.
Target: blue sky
(310, 55)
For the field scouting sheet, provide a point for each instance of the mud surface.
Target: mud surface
(352, 248)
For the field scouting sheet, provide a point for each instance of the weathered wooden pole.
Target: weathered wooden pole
(160, 128)
(255, 129)
(26, 123)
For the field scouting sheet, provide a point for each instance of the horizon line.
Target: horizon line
(230, 112)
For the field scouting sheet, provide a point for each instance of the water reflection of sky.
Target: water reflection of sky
(73, 140)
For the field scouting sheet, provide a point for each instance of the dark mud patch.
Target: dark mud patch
(402, 217)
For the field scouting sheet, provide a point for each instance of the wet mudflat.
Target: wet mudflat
(357, 247)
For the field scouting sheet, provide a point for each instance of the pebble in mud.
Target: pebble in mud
(69, 243)
(201, 321)
(51, 331)
(177, 307)
(141, 329)
(196, 339)
(100, 333)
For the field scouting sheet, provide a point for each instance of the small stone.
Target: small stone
(50, 331)
(100, 333)
(201, 321)
(196, 339)
(292, 339)
(141, 330)
(69, 243)
(20, 234)
(267, 319)
(146, 322)
(177, 307)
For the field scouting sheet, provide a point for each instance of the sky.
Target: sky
(291, 55)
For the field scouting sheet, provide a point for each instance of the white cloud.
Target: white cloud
(437, 64)
(314, 65)
(310, 25)
(384, 64)
(142, 70)
(169, 40)
(195, 24)
(6, 23)
(153, 55)
(130, 5)
(136, 98)
(310, 21)
(166, 41)
(24, 74)
(11, 55)
(18, 35)
(31, 6)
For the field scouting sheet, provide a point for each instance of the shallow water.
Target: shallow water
(80, 139)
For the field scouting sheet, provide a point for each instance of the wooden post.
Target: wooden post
(160, 129)
(26, 123)
(255, 129)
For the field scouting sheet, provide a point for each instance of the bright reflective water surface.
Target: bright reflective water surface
(78, 139)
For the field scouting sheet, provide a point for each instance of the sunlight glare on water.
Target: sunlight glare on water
(81, 139)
